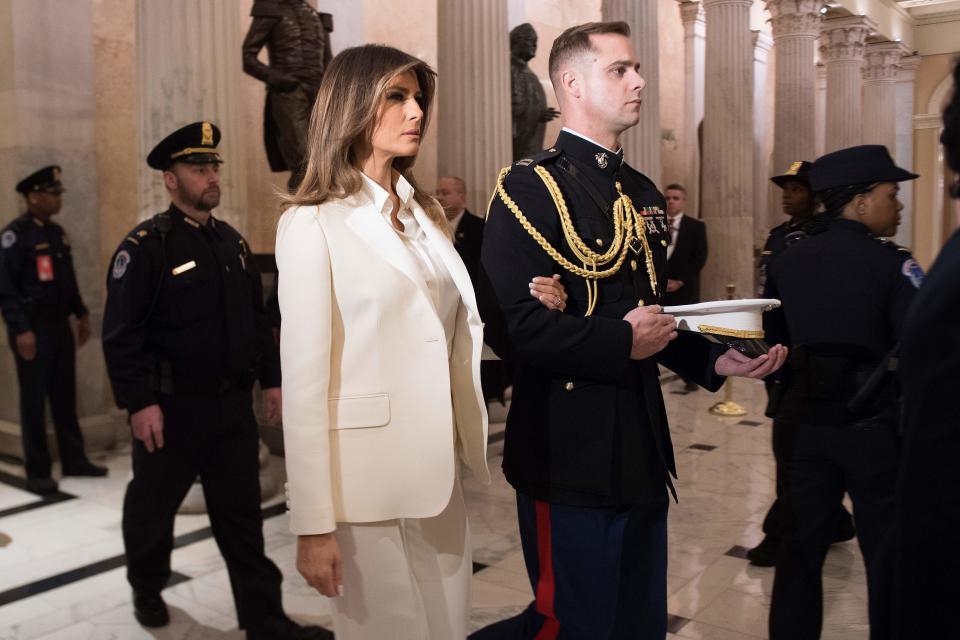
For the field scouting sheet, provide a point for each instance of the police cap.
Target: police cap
(46, 180)
(864, 164)
(195, 143)
(798, 171)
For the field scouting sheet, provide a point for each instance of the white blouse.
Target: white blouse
(444, 294)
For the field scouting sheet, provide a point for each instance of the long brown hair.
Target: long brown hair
(344, 118)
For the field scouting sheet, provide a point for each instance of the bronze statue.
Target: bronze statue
(528, 100)
(297, 38)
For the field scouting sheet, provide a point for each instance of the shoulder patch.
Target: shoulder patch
(8, 239)
(913, 272)
(120, 264)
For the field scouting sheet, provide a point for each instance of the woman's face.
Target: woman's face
(400, 120)
(880, 209)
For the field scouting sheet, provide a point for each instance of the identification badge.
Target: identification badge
(44, 268)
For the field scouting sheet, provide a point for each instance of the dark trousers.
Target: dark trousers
(215, 438)
(51, 374)
(595, 572)
(820, 464)
(773, 523)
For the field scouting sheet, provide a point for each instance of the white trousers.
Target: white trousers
(406, 579)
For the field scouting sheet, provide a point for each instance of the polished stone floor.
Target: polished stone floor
(61, 573)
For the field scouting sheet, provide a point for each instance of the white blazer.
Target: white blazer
(374, 412)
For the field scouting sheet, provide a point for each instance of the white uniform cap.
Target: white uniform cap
(735, 323)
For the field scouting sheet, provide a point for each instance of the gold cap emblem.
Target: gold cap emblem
(601, 159)
(207, 132)
(794, 169)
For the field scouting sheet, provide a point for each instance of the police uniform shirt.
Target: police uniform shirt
(209, 323)
(587, 425)
(37, 279)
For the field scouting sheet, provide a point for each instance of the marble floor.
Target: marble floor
(62, 574)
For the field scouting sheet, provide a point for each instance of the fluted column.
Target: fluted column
(842, 50)
(474, 95)
(641, 144)
(880, 69)
(190, 69)
(796, 25)
(761, 156)
(821, 126)
(903, 151)
(728, 147)
(694, 50)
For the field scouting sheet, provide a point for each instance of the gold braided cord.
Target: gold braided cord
(730, 333)
(628, 226)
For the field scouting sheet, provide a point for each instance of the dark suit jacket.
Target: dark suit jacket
(686, 261)
(467, 240)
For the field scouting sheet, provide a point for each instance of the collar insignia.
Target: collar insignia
(601, 159)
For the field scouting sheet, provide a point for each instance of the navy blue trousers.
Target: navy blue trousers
(595, 572)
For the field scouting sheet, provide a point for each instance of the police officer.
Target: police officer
(38, 294)
(185, 335)
(800, 205)
(587, 443)
(845, 290)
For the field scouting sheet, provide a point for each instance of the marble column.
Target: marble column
(842, 47)
(821, 119)
(641, 144)
(903, 147)
(880, 70)
(761, 157)
(474, 95)
(727, 200)
(189, 65)
(694, 50)
(796, 25)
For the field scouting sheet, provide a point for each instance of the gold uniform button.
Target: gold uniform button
(599, 242)
(633, 265)
(568, 386)
(663, 242)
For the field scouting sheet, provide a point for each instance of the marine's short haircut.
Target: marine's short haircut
(576, 41)
(675, 187)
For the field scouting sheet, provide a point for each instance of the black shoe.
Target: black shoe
(150, 610)
(43, 486)
(286, 629)
(765, 553)
(85, 469)
(845, 529)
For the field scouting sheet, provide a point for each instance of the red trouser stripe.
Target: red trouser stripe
(546, 588)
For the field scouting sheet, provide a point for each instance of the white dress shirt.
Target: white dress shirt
(444, 294)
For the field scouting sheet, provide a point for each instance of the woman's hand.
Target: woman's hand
(549, 292)
(319, 562)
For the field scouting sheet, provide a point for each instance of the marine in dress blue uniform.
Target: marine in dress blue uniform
(185, 328)
(587, 445)
(38, 294)
(845, 292)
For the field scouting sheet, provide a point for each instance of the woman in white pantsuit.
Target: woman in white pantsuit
(380, 349)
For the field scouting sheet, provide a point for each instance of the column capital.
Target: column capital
(691, 12)
(798, 18)
(844, 38)
(882, 61)
(908, 68)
